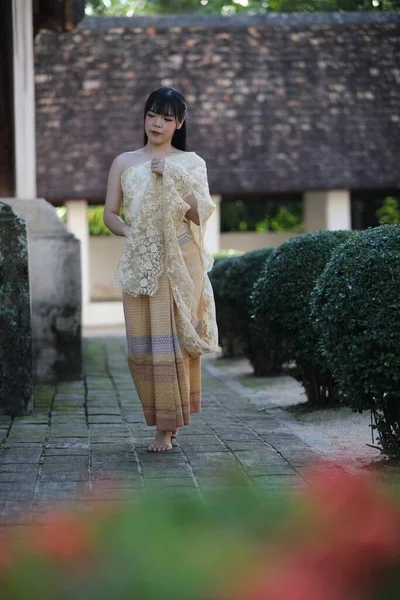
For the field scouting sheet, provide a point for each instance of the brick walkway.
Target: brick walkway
(89, 432)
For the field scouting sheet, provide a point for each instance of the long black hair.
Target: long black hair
(167, 100)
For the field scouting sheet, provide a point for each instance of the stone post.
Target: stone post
(55, 286)
(77, 223)
(327, 210)
(16, 387)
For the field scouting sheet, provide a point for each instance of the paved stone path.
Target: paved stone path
(92, 432)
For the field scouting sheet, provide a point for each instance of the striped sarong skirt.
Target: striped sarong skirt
(166, 378)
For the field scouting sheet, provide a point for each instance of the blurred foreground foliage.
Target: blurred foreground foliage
(338, 540)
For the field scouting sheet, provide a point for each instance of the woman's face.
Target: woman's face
(165, 125)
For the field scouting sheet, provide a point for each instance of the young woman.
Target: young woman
(167, 296)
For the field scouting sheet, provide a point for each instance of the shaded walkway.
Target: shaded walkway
(89, 438)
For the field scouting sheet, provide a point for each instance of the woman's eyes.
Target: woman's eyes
(151, 115)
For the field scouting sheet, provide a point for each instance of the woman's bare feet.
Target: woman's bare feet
(175, 433)
(161, 443)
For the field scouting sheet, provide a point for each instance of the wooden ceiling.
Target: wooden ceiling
(57, 15)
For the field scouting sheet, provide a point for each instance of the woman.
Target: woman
(167, 296)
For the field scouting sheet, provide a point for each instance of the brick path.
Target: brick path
(89, 432)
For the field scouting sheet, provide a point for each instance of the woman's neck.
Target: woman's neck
(151, 149)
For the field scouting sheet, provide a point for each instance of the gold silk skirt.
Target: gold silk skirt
(166, 378)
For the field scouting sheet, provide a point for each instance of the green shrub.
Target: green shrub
(356, 304)
(282, 308)
(94, 216)
(95, 220)
(273, 350)
(239, 279)
(389, 212)
(62, 213)
(228, 337)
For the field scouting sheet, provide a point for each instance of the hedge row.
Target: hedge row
(356, 308)
(281, 307)
(329, 302)
(233, 279)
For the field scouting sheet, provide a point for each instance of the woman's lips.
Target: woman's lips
(156, 132)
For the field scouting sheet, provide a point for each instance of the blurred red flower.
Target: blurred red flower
(4, 552)
(351, 536)
(63, 536)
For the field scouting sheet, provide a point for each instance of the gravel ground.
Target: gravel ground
(339, 434)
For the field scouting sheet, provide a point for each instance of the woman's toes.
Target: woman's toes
(162, 442)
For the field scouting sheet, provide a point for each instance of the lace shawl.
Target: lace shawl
(152, 248)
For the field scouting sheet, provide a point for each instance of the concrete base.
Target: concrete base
(103, 314)
(55, 286)
(77, 224)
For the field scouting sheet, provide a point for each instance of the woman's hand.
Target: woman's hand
(157, 165)
(126, 229)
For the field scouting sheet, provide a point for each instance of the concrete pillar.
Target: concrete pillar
(327, 210)
(77, 223)
(54, 254)
(24, 99)
(213, 229)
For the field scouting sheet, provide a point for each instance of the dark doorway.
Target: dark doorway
(244, 212)
(370, 208)
(7, 179)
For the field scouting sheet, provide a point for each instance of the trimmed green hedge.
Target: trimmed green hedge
(356, 304)
(239, 279)
(282, 308)
(228, 338)
(232, 280)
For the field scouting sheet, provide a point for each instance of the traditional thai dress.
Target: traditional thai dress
(167, 296)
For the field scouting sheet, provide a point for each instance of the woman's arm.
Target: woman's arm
(114, 198)
(193, 212)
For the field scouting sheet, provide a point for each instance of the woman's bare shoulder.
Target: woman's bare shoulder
(128, 155)
(125, 159)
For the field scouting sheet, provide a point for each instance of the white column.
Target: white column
(212, 238)
(77, 223)
(327, 210)
(24, 99)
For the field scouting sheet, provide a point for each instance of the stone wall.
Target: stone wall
(16, 375)
(276, 102)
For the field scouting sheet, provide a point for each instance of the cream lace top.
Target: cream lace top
(155, 208)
